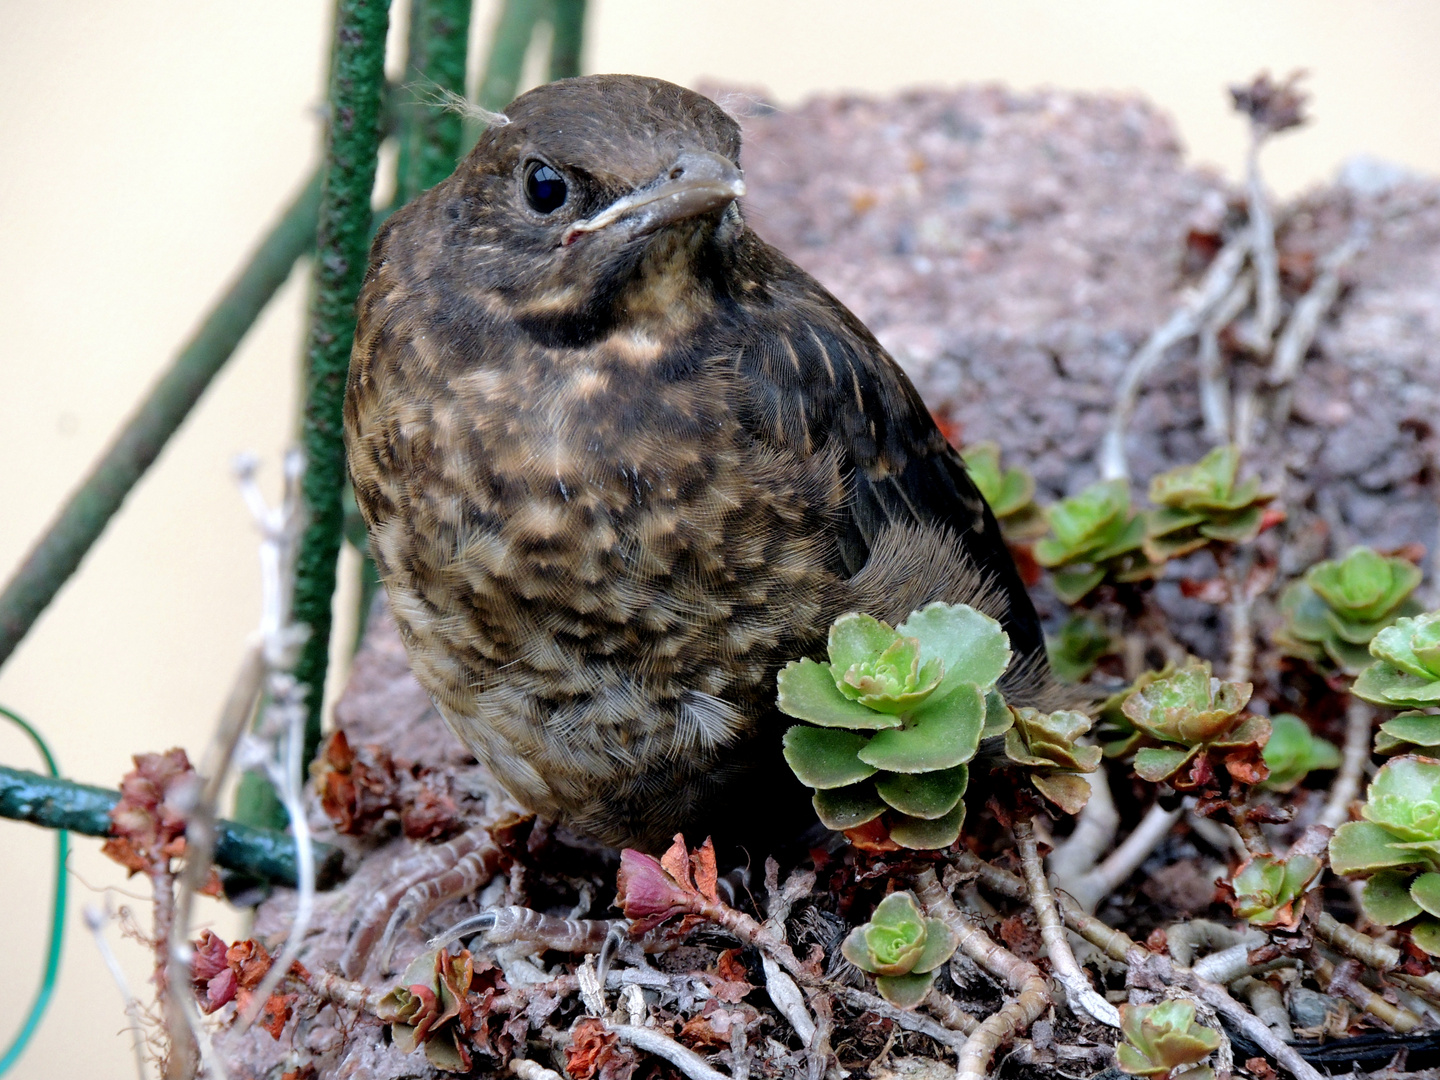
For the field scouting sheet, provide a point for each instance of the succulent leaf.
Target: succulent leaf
(1268, 891)
(910, 703)
(1160, 1039)
(1426, 935)
(918, 834)
(1406, 673)
(970, 646)
(848, 807)
(928, 795)
(1386, 898)
(1404, 799)
(825, 757)
(1010, 492)
(940, 734)
(1079, 645)
(1363, 847)
(1293, 751)
(1410, 730)
(807, 691)
(905, 991)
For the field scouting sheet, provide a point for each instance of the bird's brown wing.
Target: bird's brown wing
(816, 379)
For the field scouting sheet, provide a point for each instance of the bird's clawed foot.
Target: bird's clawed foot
(456, 868)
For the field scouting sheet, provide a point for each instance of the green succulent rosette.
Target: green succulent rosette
(1164, 1041)
(1406, 672)
(1010, 492)
(1294, 751)
(893, 718)
(1094, 536)
(1267, 891)
(1192, 721)
(1046, 744)
(1340, 606)
(901, 948)
(1078, 647)
(1202, 504)
(1397, 848)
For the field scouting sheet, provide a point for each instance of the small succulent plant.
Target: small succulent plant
(1397, 847)
(1010, 492)
(1079, 645)
(1045, 743)
(1410, 733)
(1198, 721)
(1164, 1041)
(1094, 536)
(1406, 672)
(1201, 504)
(428, 1008)
(1337, 609)
(1294, 751)
(901, 948)
(892, 720)
(1267, 891)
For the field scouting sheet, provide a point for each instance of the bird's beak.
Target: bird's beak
(696, 182)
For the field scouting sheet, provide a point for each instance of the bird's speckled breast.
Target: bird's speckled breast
(593, 567)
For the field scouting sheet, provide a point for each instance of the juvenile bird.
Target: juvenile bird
(620, 460)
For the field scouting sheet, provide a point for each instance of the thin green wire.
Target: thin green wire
(57, 917)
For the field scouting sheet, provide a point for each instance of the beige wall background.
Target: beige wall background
(145, 145)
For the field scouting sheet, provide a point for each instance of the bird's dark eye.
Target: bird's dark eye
(544, 188)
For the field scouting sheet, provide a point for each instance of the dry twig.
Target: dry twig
(1062, 961)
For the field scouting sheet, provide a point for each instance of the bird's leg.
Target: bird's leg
(455, 868)
(513, 923)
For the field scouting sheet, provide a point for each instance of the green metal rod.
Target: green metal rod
(438, 40)
(58, 552)
(567, 21)
(509, 42)
(63, 804)
(352, 143)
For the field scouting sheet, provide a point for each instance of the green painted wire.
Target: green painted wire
(57, 918)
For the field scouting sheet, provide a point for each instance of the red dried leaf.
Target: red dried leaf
(277, 1012)
(596, 1054)
(950, 428)
(432, 815)
(219, 991)
(147, 827)
(249, 960)
(1273, 515)
(1022, 938)
(676, 862)
(731, 968)
(208, 957)
(123, 851)
(1247, 765)
(1209, 590)
(872, 836)
(1024, 556)
(706, 875)
(359, 788)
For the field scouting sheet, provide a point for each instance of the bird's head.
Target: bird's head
(604, 200)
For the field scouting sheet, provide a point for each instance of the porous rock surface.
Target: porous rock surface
(1012, 250)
